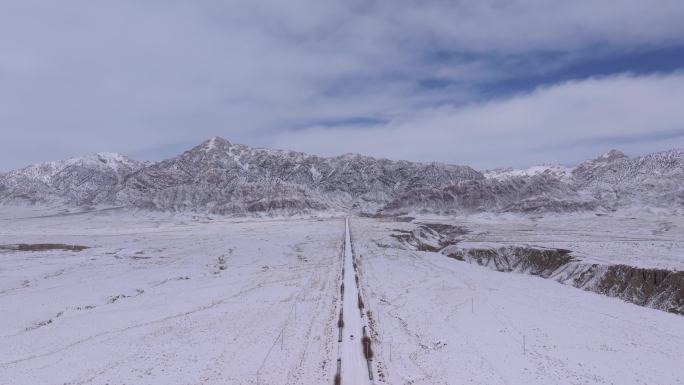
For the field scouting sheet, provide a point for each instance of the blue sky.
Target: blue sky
(484, 83)
(647, 60)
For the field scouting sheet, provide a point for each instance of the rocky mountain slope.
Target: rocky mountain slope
(78, 181)
(226, 178)
(655, 179)
(221, 177)
(606, 183)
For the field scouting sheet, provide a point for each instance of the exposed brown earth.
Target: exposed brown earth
(45, 247)
(430, 236)
(655, 288)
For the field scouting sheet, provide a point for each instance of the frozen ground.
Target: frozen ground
(163, 299)
(169, 300)
(442, 321)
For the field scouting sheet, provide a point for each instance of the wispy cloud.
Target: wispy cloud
(563, 123)
(673, 136)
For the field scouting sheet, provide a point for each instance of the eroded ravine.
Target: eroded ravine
(650, 287)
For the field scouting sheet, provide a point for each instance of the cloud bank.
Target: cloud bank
(557, 124)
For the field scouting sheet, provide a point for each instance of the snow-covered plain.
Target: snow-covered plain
(443, 321)
(183, 299)
(162, 299)
(642, 238)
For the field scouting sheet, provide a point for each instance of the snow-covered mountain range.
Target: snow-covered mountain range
(606, 183)
(226, 178)
(77, 181)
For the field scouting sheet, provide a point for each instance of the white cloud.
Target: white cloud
(565, 123)
(522, 25)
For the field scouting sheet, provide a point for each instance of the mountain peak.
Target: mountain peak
(611, 155)
(600, 161)
(216, 142)
(111, 157)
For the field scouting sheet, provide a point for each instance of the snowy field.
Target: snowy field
(639, 238)
(168, 300)
(163, 299)
(442, 321)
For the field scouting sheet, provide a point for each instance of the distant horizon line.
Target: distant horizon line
(148, 162)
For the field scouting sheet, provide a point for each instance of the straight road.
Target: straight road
(354, 366)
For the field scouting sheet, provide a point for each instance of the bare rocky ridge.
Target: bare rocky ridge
(516, 194)
(226, 178)
(222, 177)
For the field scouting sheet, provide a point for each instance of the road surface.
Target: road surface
(354, 366)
